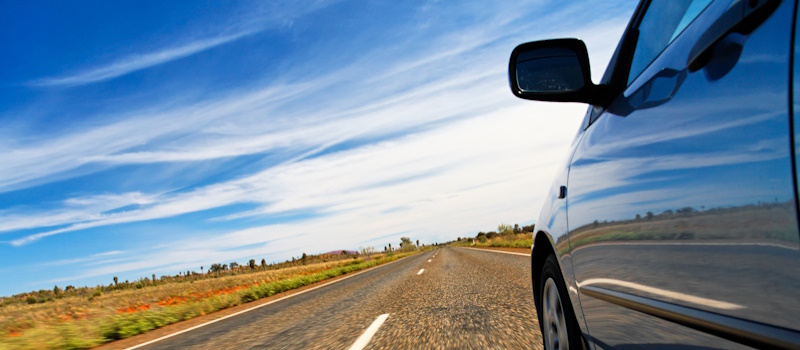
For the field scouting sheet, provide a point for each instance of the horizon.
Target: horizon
(151, 138)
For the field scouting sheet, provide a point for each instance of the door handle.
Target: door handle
(742, 16)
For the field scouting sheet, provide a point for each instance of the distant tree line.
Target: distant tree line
(502, 230)
(215, 270)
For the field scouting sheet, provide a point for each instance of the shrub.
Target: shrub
(96, 294)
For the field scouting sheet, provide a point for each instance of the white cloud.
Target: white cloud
(447, 182)
(70, 211)
(255, 20)
(492, 149)
(274, 117)
(137, 62)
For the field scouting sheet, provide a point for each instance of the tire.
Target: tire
(559, 326)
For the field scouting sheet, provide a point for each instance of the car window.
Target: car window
(663, 21)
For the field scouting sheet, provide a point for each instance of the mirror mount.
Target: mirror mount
(555, 70)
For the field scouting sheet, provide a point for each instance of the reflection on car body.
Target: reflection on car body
(680, 227)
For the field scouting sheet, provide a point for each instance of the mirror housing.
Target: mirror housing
(554, 70)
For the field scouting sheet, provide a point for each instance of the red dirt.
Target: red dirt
(14, 333)
(196, 296)
(134, 308)
(175, 300)
(172, 301)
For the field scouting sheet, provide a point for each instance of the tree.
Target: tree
(417, 243)
(252, 264)
(263, 263)
(516, 228)
(154, 277)
(649, 215)
(685, 210)
(215, 268)
(406, 244)
(201, 268)
(390, 247)
(368, 251)
(304, 258)
(234, 265)
(56, 290)
(504, 229)
(115, 280)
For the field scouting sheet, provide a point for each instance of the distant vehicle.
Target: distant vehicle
(673, 221)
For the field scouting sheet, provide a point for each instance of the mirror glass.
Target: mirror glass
(549, 70)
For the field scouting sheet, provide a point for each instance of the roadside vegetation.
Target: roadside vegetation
(506, 236)
(80, 318)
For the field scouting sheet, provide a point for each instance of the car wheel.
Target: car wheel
(559, 327)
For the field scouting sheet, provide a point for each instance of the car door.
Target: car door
(681, 196)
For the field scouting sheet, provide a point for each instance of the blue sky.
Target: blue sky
(156, 137)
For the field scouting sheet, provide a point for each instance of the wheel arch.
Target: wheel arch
(542, 248)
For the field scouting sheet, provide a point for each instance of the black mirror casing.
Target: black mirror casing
(565, 62)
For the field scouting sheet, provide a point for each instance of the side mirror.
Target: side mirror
(553, 70)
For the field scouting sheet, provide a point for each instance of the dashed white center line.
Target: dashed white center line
(364, 339)
(420, 271)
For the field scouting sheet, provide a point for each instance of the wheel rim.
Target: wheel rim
(555, 324)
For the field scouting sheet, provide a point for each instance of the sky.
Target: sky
(141, 138)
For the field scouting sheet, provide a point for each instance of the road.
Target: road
(444, 299)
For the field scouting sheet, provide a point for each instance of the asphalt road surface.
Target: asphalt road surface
(443, 299)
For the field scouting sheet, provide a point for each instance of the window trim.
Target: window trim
(616, 74)
(618, 71)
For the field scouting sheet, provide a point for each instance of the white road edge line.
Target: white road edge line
(496, 251)
(254, 307)
(420, 271)
(429, 260)
(364, 339)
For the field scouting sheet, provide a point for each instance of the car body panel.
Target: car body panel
(704, 159)
(552, 223)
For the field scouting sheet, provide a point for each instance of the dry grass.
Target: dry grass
(81, 322)
(519, 240)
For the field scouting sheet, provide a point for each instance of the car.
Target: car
(673, 221)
